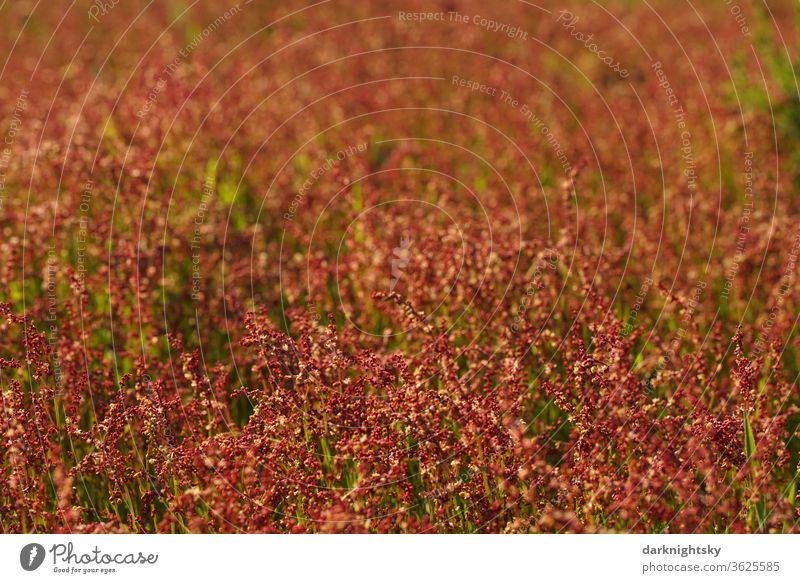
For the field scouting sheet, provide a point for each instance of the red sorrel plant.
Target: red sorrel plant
(303, 279)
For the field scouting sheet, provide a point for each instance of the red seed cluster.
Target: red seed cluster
(399, 267)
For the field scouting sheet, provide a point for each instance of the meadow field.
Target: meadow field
(448, 266)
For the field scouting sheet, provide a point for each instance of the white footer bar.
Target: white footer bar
(355, 558)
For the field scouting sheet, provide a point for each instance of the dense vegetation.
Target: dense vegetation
(341, 267)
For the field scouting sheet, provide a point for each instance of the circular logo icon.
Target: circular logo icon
(31, 556)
